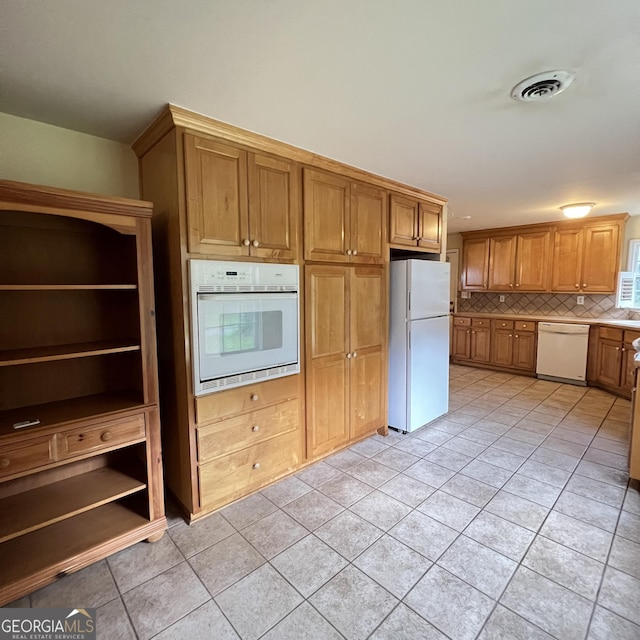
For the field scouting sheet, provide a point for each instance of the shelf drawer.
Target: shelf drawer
(225, 404)
(104, 436)
(246, 430)
(525, 326)
(503, 324)
(26, 456)
(480, 322)
(465, 322)
(608, 333)
(232, 476)
(630, 336)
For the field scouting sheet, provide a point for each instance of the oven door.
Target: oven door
(244, 332)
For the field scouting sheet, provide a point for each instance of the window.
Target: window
(628, 295)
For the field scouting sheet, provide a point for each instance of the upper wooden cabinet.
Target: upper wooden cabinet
(519, 262)
(239, 203)
(561, 257)
(415, 223)
(586, 258)
(344, 221)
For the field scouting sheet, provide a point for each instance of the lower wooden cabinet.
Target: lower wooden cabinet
(345, 353)
(614, 366)
(471, 340)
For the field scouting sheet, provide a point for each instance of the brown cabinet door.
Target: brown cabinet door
(327, 345)
(502, 260)
(403, 221)
(273, 207)
(368, 224)
(475, 264)
(216, 186)
(567, 260)
(524, 350)
(480, 345)
(502, 347)
(609, 362)
(628, 367)
(430, 226)
(326, 216)
(532, 261)
(368, 346)
(600, 259)
(461, 343)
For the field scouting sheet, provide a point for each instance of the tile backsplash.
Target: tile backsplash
(546, 304)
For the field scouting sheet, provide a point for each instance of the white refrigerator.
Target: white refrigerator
(418, 342)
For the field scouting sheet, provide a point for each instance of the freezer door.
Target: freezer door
(428, 379)
(429, 288)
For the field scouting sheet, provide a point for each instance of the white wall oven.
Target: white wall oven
(245, 323)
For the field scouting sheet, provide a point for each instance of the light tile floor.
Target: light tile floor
(509, 518)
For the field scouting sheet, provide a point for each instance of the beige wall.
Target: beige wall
(40, 153)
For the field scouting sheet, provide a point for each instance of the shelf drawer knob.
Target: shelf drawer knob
(254, 397)
(524, 326)
(348, 252)
(256, 465)
(355, 252)
(255, 428)
(105, 436)
(256, 243)
(246, 242)
(577, 286)
(584, 285)
(4, 463)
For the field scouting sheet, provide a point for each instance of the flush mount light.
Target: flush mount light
(578, 210)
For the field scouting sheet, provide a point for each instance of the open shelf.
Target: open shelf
(67, 287)
(41, 507)
(65, 352)
(64, 411)
(54, 549)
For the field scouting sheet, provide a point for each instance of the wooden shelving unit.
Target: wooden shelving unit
(83, 478)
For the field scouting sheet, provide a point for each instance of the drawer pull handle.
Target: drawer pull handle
(105, 436)
(348, 252)
(355, 252)
(4, 463)
(246, 242)
(255, 428)
(256, 465)
(355, 354)
(255, 243)
(254, 397)
(524, 326)
(504, 324)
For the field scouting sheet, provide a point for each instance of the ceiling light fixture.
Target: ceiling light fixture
(578, 210)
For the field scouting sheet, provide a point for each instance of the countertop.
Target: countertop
(623, 324)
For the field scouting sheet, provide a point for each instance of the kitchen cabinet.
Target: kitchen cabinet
(614, 353)
(513, 344)
(519, 262)
(344, 221)
(80, 454)
(415, 223)
(586, 258)
(239, 203)
(475, 264)
(346, 354)
(471, 340)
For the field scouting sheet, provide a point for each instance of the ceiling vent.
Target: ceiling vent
(542, 86)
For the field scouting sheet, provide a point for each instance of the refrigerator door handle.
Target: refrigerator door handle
(409, 341)
(409, 300)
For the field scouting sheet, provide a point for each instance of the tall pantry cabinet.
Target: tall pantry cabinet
(80, 456)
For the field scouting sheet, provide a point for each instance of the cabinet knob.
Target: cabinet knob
(348, 252)
(472, 333)
(348, 356)
(617, 348)
(511, 335)
(517, 285)
(622, 348)
(584, 285)
(254, 397)
(105, 436)
(255, 243)
(524, 326)
(511, 285)
(517, 336)
(577, 286)
(504, 324)
(255, 428)
(355, 252)
(4, 463)
(246, 242)
(468, 331)
(355, 354)
(256, 465)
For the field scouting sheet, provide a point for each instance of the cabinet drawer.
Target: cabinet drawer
(630, 336)
(503, 324)
(225, 404)
(607, 333)
(234, 475)
(246, 430)
(104, 436)
(480, 322)
(462, 321)
(520, 325)
(26, 456)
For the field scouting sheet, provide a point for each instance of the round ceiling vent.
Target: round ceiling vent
(542, 86)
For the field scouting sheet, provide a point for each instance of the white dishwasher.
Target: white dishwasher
(562, 352)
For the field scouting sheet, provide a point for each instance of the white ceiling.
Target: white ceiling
(416, 90)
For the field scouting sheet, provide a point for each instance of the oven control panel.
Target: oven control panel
(212, 273)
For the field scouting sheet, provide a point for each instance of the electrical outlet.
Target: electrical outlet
(465, 295)
(579, 299)
(502, 298)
